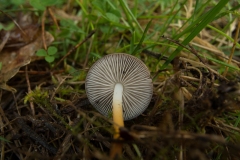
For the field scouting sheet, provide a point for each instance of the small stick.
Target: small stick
(88, 52)
(33, 135)
(29, 90)
(40, 72)
(4, 40)
(75, 47)
(233, 48)
(53, 17)
(191, 49)
(14, 23)
(43, 30)
(55, 90)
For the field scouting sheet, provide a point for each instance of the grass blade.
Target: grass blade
(202, 22)
(130, 15)
(142, 38)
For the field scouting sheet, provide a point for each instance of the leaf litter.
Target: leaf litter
(17, 49)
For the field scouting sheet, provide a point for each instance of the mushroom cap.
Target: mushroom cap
(122, 68)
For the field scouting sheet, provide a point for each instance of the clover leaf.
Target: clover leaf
(49, 54)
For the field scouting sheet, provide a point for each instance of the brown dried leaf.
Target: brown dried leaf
(4, 40)
(19, 38)
(61, 14)
(13, 59)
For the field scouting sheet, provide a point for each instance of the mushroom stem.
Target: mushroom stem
(117, 109)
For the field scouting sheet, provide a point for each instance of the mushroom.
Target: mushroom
(119, 84)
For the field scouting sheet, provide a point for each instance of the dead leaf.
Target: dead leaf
(4, 40)
(61, 14)
(19, 38)
(13, 59)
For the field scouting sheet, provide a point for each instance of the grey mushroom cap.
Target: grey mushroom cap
(122, 68)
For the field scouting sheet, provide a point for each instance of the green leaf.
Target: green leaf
(41, 53)
(142, 38)
(7, 27)
(220, 62)
(49, 59)
(96, 55)
(132, 42)
(70, 26)
(42, 4)
(130, 16)
(37, 4)
(105, 29)
(111, 4)
(224, 34)
(112, 17)
(52, 50)
(47, 2)
(0, 66)
(3, 139)
(99, 5)
(60, 99)
(18, 2)
(72, 71)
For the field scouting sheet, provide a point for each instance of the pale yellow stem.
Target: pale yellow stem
(117, 109)
(116, 149)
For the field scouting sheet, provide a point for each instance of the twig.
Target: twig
(32, 72)
(43, 30)
(53, 17)
(9, 125)
(154, 54)
(2, 129)
(88, 52)
(156, 106)
(29, 90)
(33, 135)
(53, 94)
(233, 47)
(191, 49)
(65, 145)
(75, 47)
(4, 40)
(200, 77)
(14, 23)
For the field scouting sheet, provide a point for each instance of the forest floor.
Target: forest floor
(191, 49)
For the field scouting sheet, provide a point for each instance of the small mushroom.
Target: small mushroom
(119, 84)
